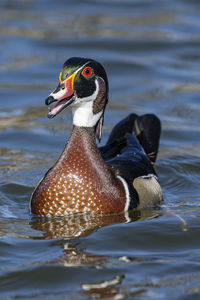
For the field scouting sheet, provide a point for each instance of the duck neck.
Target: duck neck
(82, 139)
(83, 115)
(82, 144)
(81, 150)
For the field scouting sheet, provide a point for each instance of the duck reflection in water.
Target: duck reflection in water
(71, 228)
(81, 225)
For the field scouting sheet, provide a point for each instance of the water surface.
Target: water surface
(150, 50)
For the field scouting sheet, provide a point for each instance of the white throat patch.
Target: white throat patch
(82, 111)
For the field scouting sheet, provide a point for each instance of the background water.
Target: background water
(151, 51)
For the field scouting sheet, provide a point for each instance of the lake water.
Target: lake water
(151, 51)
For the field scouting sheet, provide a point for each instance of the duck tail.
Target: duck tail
(146, 128)
(124, 126)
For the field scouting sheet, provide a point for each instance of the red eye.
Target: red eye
(87, 72)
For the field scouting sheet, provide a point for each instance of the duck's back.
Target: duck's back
(131, 152)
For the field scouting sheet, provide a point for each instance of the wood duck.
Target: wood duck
(86, 179)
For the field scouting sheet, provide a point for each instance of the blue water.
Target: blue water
(150, 50)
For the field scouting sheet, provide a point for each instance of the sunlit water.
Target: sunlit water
(151, 51)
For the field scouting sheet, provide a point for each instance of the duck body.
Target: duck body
(112, 179)
(80, 181)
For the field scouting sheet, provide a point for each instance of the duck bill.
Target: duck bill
(63, 96)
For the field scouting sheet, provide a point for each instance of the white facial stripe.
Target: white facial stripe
(81, 67)
(91, 97)
(82, 110)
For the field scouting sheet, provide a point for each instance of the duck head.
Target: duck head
(83, 85)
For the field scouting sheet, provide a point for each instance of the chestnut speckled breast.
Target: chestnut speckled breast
(111, 179)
